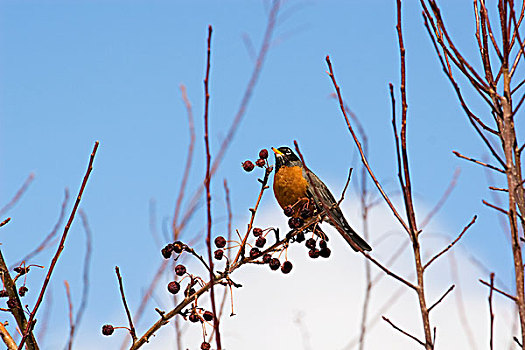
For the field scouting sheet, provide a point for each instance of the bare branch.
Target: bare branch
(453, 242)
(402, 331)
(459, 155)
(442, 297)
(128, 314)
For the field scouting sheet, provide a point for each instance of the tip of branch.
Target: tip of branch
(210, 29)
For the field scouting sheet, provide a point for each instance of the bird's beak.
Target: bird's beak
(276, 151)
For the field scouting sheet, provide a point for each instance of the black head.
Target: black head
(284, 156)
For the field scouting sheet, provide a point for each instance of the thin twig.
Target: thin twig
(70, 308)
(48, 240)
(459, 155)
(402, 331)
(85, 280)
(358, 144)
(453, 242)
(18, 195)
(189, 160)
(491, 342)
(511, 297)
(60, 248)
(207, 181)
(346, 186)
(128, 314)
(442, 297)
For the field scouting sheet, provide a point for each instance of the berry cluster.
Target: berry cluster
(300, 221)
(261, 162)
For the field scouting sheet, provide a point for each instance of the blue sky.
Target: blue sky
(75, 72)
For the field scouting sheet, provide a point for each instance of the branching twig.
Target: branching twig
(402, 331)
(27, 329)
(511, 297)
(128, 314)
(442, 297)
(453, 242)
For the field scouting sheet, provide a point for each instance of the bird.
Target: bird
(292, 186)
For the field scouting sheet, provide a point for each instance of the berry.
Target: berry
(177, 247)
(295, 222)
(218, 254)
(205, 346)
(310, 243)
(3, 293)
(313, 253)
(260, 162)
(322, 244)
(166, 251)
(263, 154)
(325, 252)
(257, 231)
(254, 252)
(190, 291)
(220, 242)
(299, 237)
(286, 267)
(180, 270)
(194, 317)
(288, 210)
(260, 242)
(173, 287)
(208, 316)
(248, 166)
(107, 329)
(306, 213)
(11, 303)
(266, 258)
(274, 264)
(22, 291)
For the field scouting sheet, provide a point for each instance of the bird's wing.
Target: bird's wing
(323, 194)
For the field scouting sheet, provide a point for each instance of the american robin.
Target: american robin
(292, 187)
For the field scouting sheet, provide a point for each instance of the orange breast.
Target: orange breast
(289, 185)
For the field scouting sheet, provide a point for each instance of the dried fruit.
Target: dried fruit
(286, 267)
(263, 154)
(254, 252)
(107, 329)
(177, 247)
(266, 258)
(260, 242)
(260, 162)
(295, 222)
(194, 317)
(288, 210)
(173, 287)
(313, 253)
(220, 242)
(167, 250)
(219, 253)
(180, 270)
(11, 303)
(322, 244)
(257, 231)
(325, 252)
(207, 315)
(274, 264)
(299, 237)
(22, 291)
(310, 243)
(248, 166)
(205, 346)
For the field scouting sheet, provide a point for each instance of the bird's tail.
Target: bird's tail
(350, 235)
